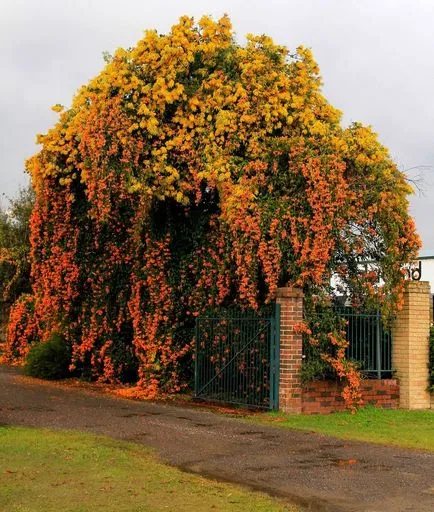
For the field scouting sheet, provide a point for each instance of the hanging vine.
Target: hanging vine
(195, 172)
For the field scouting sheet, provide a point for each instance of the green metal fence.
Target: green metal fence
(237, 357)
(370, 341)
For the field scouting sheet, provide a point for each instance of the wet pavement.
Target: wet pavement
(317, 472)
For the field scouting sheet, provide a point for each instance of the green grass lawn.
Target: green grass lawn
(411, 429)
(53, 471)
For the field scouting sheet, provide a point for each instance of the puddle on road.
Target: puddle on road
(194, 422)
(139, 414)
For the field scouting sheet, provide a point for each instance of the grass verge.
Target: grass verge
(408, 429)
(48, 471)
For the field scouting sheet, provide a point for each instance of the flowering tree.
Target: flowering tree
(191, 173)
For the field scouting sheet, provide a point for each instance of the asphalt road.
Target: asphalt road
(317, 472)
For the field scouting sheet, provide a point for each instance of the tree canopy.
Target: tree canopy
(195, 172)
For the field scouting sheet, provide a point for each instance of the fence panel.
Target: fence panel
(370, 341)
(237, 357)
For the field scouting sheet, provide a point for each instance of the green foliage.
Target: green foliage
(322, 320)
(315, 369)
(15, 246)
(431, 360)
(49, 360)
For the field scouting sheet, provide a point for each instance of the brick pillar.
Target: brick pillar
(410, 346)
(291, 347)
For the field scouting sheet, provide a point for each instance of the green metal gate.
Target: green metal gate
(237, 357)
(370, 341)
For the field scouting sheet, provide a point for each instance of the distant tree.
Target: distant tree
(15, 247)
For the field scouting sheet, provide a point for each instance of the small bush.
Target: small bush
(315, 369)
(49, 360)
(431, 360)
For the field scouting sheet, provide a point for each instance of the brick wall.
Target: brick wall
(324, 397)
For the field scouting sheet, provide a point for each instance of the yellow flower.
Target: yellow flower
(57, 108)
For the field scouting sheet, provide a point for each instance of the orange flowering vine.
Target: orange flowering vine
(194, 172)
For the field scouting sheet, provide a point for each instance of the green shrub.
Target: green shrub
(49, 360)
(431, 360)
(315, 369)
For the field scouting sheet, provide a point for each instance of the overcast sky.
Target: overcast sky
(376, 59)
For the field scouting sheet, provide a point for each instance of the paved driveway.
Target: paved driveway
(314, 471)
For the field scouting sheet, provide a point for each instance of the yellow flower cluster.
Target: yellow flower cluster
(195, 92)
